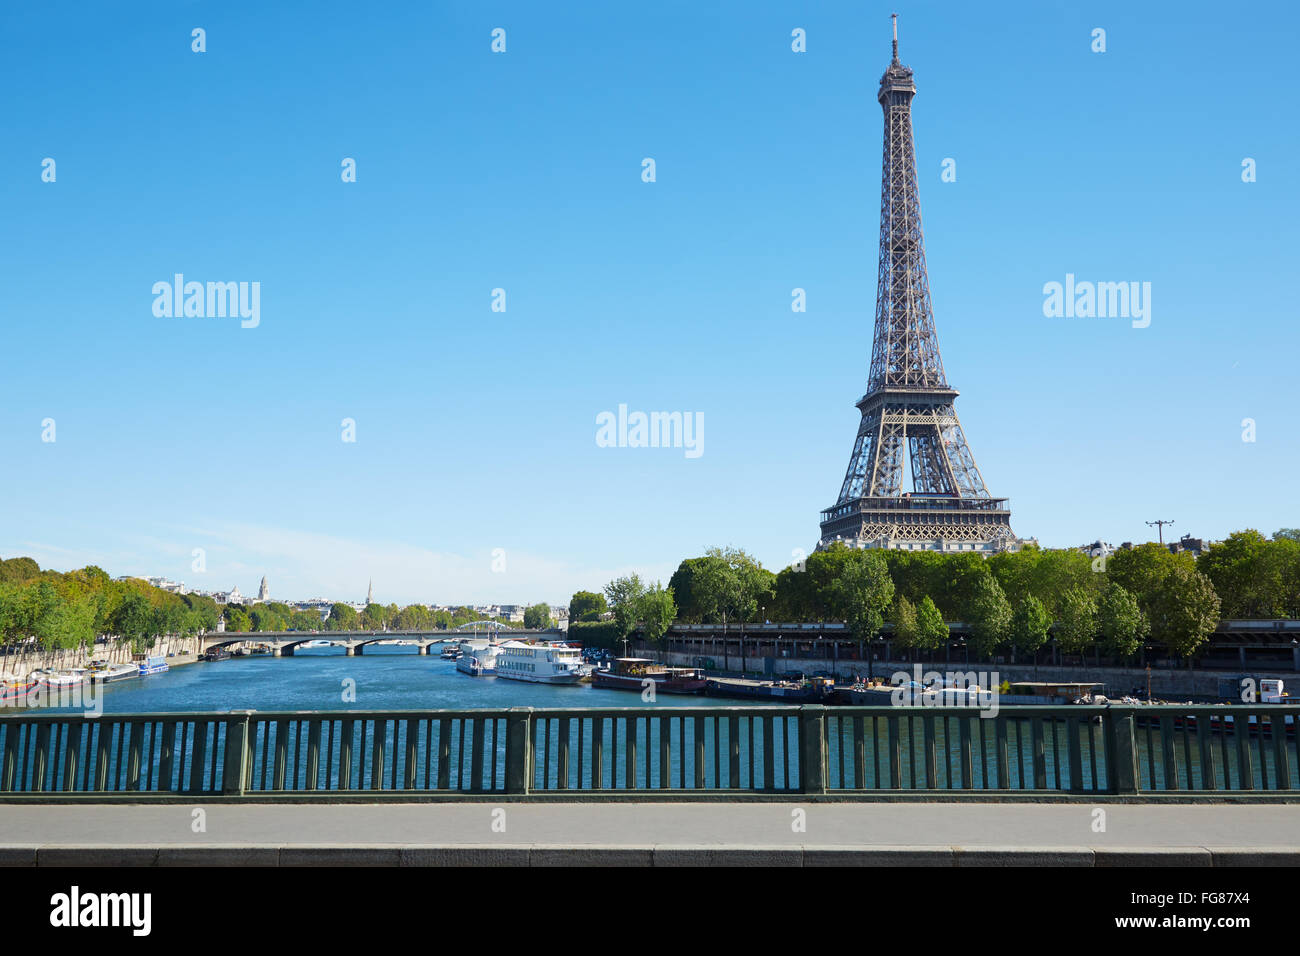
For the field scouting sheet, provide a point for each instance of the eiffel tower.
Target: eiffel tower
(909, 404)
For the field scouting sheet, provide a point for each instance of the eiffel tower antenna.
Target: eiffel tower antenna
(909, 425)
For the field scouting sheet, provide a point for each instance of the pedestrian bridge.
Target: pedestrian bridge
(283, 643)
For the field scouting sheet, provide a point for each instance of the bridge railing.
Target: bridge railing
(844, 752)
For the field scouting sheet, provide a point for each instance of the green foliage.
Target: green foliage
(656, 611)
(537, 616)
(586, 606)
(906, 631)
(932, 632)
(1185, 611)
(343, 617)
(599, 634)
(1253, 576)
(623, 595)
(1120, 621)
(651, 610)
(988, 615)
(728, 584)
(1029, 625)
(863, 592)
(1076, 631)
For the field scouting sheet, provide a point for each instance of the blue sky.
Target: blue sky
(522, 171)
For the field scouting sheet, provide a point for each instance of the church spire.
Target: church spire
(370, 592)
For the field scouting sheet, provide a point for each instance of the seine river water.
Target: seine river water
(392, 678)
(387, 677)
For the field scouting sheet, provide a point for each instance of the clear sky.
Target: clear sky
(476, 430)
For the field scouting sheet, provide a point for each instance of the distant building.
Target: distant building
(175, 587)
(263, 592)
(229, 597)
(370, 592)
(1189, 544)
(1098, 549)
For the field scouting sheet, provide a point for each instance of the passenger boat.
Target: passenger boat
(540, 663)
(15, 689)
(216, 654)
(153, 664)
(451, 652)
(631, 673)
(102, 672)
(479, 661)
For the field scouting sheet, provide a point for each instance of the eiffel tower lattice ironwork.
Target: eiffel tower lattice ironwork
(909, 417)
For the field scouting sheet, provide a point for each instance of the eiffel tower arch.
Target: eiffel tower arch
(910, 433)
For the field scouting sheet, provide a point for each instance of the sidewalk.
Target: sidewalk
(651, 834)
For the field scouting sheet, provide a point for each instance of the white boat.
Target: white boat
(153, 664)
(539, 663)
(61, 678)
(102, 672)
(479, 661)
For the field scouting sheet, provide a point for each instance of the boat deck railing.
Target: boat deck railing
(1181, 753)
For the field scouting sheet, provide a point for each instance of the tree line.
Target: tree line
(53, 611)
(1092, 606)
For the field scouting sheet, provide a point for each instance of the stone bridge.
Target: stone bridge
(283, 643)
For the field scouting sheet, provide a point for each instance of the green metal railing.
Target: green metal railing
(849, 752)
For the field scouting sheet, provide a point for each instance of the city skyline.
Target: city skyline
(477, 470)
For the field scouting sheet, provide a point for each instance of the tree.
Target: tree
(1120, 621)
(131, 621)
(863, 592)
(586, 606)
(537, 616)
(656, 611)
(373, 617)
(932, 632)
(988, 616)
(1077, 623)
(238, 619)
(1143, 570)
(906, 631)
(1186, 611)
(729, 584)
(18, 570)
(1029, 625)
(1246, 570)
(343, 617)
(1287, 534)
(622, 595)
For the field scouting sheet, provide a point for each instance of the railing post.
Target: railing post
(235, 766)
(812, 748)
(519, 749)
(1123, 732)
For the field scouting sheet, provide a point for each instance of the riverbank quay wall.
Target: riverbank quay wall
(1118, 681)
(23, 659)
(1239, 650)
